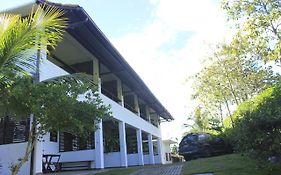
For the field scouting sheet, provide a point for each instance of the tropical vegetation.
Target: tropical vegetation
(238, 90)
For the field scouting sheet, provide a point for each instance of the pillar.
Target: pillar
(160, 150)
(140, 150)
(37, 152)
(136, 104)
(150, 146)
(120, 92)
(99, 155)
(123, 144)
(147, 113)
(96, 70)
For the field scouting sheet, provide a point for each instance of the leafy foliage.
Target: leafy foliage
(22, 37)
(259, 26)
(227, 80)
(68, 103)
(258, 124)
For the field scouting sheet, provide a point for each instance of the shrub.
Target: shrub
(257, 125)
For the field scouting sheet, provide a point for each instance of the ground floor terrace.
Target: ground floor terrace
(115, 144)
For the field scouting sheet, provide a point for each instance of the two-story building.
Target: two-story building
(131, 137)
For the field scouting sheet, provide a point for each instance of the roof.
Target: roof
(86, 32)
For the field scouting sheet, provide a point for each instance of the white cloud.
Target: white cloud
(165, 70)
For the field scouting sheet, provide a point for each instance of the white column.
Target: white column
(120, 92)
(150, 146)
(140, 150)
(96, 73)
(160, 150)
(37, 157)
(37, 153)
(147, 113)
(136, 104)
(123, 144)
(99, 155)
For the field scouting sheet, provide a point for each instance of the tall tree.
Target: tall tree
(259, 27)
(227, 80)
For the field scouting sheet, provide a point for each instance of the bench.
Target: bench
(69, 166)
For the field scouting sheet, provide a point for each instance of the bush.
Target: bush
(257, 125)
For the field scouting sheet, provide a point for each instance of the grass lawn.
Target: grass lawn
(120, 171)
(233, 164)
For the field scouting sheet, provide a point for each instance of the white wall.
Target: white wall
(82, 155)
(50, 70)
(157, 159)
(112, 159)
(166, 149)
(10, 153)
(146, 159)
(50, 147)
(133, 159)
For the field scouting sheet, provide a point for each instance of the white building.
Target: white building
(132, 137)
(166, 147)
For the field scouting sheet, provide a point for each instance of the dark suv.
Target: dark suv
(202, 145)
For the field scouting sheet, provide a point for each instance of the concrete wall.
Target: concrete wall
(157, 159)
(112, 159)
(146, 159)
(82, 155)
(10, 153)
(133, 159)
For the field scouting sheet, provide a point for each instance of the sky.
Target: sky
(164, 41)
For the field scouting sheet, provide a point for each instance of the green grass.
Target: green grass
(233, 164)
(120, 171)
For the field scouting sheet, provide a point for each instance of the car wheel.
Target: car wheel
(187, 157)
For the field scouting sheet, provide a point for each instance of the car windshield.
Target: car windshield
(190, 138)
(202, 137)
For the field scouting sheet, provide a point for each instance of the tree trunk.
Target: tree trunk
(228, 109)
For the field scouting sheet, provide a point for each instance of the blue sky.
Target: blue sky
(163, 40)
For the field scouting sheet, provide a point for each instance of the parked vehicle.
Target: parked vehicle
(196, 145)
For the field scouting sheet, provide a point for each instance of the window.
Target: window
(70, 142)
(203, 137)
(12, 131)
(53, 136)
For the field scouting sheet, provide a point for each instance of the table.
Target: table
(50, 163)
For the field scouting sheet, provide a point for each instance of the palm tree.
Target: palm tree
(20, 39)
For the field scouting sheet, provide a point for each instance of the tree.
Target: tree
(22, 37)
(259, 27)
(258, 124)
(228, 79)
(69, 103)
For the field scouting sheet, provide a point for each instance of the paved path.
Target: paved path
(161, 170)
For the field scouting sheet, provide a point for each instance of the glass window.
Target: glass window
(13, 131)
(53, 136)
(70, 142)
(203, 137)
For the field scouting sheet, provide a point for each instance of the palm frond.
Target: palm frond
(19, 43)
(7, 21)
